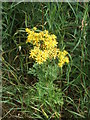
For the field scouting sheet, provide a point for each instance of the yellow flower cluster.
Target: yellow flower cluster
(40, 56)
(45, 46)
(63, 58)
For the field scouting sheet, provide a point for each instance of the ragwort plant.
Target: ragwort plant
(48, 60)
(70, 23)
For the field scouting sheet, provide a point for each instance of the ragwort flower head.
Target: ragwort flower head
(45, 47)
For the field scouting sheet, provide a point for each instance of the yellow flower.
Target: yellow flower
(60, 64)
(65, 52)
(32, 54)
(53, 36)
(63, 58)
(46, 31)
(34, 28)
(28, 30)
(67, 60)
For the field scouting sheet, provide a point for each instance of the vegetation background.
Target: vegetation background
(71, 24)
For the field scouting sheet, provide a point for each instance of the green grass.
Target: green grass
(65, 21)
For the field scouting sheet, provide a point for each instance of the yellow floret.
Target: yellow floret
(34, 28)
(67, 60)
(28, 30)
(65, 52)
